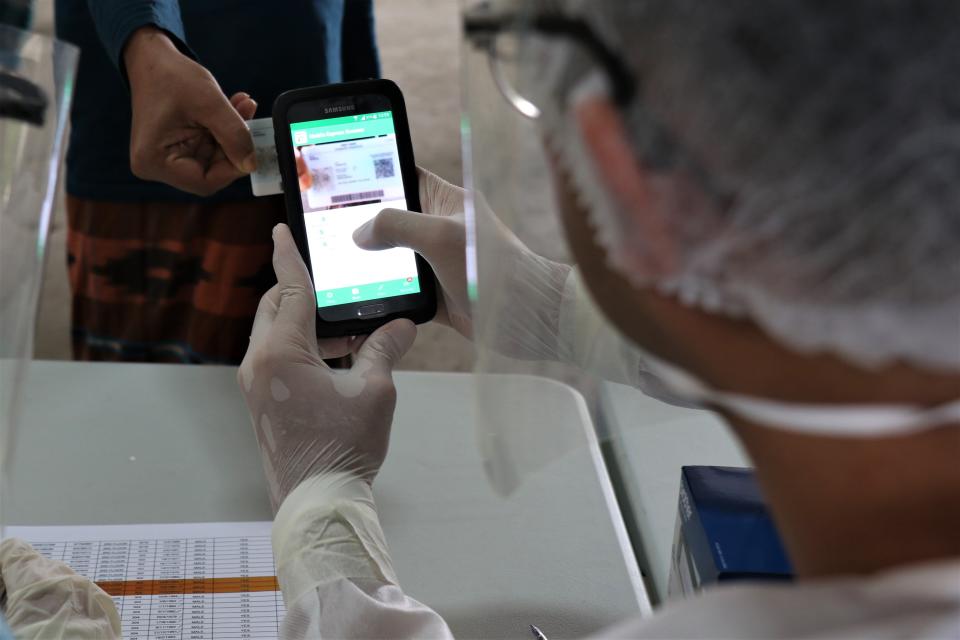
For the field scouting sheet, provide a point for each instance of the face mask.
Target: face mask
(670, 383)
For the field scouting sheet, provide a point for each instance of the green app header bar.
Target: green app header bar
(363, 125)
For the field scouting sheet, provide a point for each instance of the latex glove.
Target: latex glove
(535, 287)
(185, 132)
(310, 419)
(47, 599)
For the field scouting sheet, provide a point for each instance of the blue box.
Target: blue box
(724, 532)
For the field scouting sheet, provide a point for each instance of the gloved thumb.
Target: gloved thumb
(231, 133)
(387, 345)
(399, 228)
(297, 305)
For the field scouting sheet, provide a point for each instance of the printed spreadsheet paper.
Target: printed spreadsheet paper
(175, 581)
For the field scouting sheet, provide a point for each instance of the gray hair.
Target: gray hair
(832, 130)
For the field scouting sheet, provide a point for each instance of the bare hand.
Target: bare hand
(185, 132)
(303, 174)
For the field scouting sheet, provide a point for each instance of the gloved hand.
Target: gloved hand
(535, 286)
(310, 419)
(45, 599)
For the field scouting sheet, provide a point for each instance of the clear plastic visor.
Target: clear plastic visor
(36, 86)
(544, 351)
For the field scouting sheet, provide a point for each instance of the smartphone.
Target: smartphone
(345, 154)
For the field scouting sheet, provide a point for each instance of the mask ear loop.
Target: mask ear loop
(845, 421)
(638, 200)
(605, 141)
(621, 196)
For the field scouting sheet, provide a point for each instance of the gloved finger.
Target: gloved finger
(427, 235)
(259, 335)
(231, 133)
(296, 308)
(266, 313)
(387, 345)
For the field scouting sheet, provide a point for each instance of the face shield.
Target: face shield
(548, 101)
(543, 350)
(36, 86)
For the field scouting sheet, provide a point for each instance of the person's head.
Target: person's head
(774, 206)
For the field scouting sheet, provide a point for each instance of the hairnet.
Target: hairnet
(827, 136)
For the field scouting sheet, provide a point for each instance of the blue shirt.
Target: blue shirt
(259, 46)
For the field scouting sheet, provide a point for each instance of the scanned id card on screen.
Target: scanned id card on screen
(351, 171)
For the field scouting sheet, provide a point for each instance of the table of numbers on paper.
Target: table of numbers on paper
(175, 581)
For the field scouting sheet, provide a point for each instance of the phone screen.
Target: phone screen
(348, 168)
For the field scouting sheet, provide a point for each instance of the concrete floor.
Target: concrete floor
(419, 42)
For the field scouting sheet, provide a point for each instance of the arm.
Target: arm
(586, 340)
(184, 132)
(548, 314)
(117, 20)
(358, 44)
(323, 435)
(335, 570)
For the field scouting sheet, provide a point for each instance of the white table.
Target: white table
(115, 444)
(650, 441)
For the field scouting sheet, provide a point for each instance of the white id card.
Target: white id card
(265, 181)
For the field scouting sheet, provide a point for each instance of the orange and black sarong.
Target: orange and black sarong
(166, 281)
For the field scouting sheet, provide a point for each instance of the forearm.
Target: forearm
(587, 340)
(361, 59)
(117, 21)
(144, 50)
(335, 570)
(528, 321)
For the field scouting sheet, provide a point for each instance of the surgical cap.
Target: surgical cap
(827, 136)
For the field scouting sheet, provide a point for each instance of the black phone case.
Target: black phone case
(426, 302)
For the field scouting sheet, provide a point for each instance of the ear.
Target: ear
(644, 206)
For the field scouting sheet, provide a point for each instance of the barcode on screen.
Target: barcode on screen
(353, 197)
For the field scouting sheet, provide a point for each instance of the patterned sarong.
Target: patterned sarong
(168, 282)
